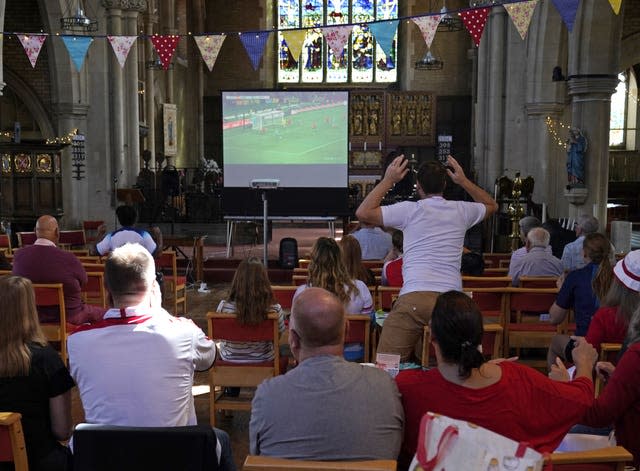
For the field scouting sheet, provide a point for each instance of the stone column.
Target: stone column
(131, 89)
(169, 27)
(2, 5)
(150, 89)
(116, 91)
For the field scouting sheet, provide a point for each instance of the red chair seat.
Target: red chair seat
(531, 327)
(180, 280)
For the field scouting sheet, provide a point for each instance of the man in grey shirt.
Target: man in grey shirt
(537, 261)
(326, 408)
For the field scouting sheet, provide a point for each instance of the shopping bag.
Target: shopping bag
(447, 444)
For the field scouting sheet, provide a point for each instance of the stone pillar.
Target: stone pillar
(490, 114)
(116, 91)
(150, 89)
(2, 5)
(169, 27)
(131, 89)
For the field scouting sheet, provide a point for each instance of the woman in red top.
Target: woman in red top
(507, 398)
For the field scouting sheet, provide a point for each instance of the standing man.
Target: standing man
(45, 262)
(325, 408)
(136, 366)
(434, 230)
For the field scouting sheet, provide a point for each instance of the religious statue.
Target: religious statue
(576, 147)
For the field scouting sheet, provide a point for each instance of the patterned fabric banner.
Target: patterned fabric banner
(121, 46)
(428, 26)
(475, 21)
(521, 14)
(384, 33)
(615, 4)
(337, 37)
(254, 45)
(294, 39)
(567, 10)
(77, 47)
(32, 44)
(165, 46)
(209, 46)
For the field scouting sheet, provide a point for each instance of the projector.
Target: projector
(265, 183)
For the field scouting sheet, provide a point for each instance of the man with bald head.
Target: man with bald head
(44, 262)
(537, 261)
(326, 408)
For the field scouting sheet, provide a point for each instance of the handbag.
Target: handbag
(449, 444)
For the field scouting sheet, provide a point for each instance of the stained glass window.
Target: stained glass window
(362, 60)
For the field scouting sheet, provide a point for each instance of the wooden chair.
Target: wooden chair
(284, 295)
(427, 354)
(224, 326)
(608, 352)
(5, 243)
(523, 328)
(267, 463)
(301, 271)
(73, 239)
(303, 263)
(491, 302)
(91, 230)
(94, 292)
(79, 252)
(12, 446)
(485, 282)
(298, 280)
(107, 447)
(5, 272)
(373, 264)
(52, 295)
(387, 295)
(174, 286)
(88, 258)
(491, 344)
(602, 459)
(538, 281)
(26, 238)
(492, 259)
(360, 332)
(93, 267)
(495, 272)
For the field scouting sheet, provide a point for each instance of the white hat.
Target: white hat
(627, 270)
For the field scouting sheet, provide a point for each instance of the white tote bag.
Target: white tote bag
(446, 444)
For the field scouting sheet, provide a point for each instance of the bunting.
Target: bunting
(521, 14)
(428, 26)
(294, 39)
(615, 4)
(209, 46)
(475, 20)
(32, 44)
(567, 10)
(337, 37)
(254, 45)
(384, 32)
(77, 47)
(121, 46)
(165, 45)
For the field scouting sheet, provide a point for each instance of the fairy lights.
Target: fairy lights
(554, 127)
(62, 139)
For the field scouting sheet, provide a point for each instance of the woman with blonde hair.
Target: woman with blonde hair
(33, 378)
(251, 299)
(352, 258)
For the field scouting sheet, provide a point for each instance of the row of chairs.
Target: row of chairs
(103, 447)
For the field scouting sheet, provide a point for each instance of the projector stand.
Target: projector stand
(265, 228)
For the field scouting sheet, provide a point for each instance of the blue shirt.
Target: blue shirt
(577, 293)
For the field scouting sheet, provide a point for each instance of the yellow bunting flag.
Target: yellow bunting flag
(521, 14)
(615, 4)
(294, 39)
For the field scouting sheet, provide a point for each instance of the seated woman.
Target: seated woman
(251, 299)
(508, 398)
(392, 268)
(326, 270)
(582, 290)
(33, 378)
(611, 322)
(619, 402)
(352, 258)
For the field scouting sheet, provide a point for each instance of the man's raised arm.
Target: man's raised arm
(369, 210)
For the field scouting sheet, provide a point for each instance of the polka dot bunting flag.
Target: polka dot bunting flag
(165, 46)
(475, 21)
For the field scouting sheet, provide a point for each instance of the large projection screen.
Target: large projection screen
(299, 138)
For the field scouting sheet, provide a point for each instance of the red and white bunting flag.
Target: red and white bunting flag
(165, 45)
(428, 26)
(521, 14)
(475, 20)
(121, 46)
(209, 46)
(337, 37)
(32, 44)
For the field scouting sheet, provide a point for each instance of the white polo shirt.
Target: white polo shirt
(433, 230)
(138, 370)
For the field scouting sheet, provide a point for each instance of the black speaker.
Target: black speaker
(288, 253)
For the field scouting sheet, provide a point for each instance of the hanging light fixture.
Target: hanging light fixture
(429, 62)
(448, 23)
(76, 20)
